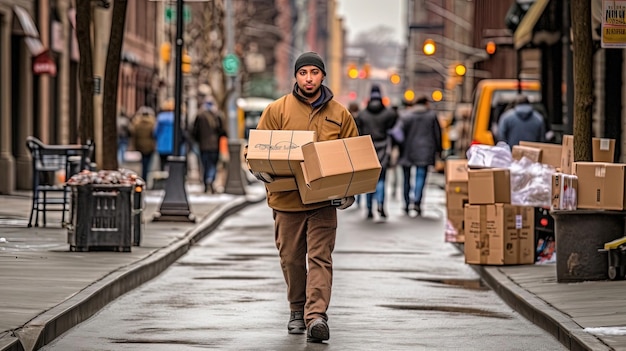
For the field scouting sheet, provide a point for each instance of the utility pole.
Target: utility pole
(234, 181)
(175, 206)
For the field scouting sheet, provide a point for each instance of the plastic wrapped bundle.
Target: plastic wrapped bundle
(531, 183)
(486, 156)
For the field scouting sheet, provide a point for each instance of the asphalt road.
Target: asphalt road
(397, 286)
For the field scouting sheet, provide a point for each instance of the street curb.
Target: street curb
(537, 311)
(52, 323)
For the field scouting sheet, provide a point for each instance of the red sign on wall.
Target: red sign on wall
(44, 64)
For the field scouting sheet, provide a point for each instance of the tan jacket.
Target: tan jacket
(330, 121)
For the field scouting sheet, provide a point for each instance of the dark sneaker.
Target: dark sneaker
(418, 208)
(370, 214)
(318, 331)
(296, 323)
(381, 212)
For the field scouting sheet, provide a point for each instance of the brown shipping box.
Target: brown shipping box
(550, 153)
(277, 152)
(335, 169)
(603, 150)
(532, 153)
(600, 185)
(499, 234)
(456, 197)
(282, 184)
(567, 154)
(489, 186)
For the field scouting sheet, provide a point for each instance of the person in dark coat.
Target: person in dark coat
(422, 144)
(207, 131)
(376, 120)
(521, 123)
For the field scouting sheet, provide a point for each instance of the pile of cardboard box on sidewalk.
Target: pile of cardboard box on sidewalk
(496, 221)
(319, 170)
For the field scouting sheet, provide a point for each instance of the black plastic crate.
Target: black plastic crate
(101, 217)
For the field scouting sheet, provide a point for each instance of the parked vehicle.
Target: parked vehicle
(494, 96)
(249, 111)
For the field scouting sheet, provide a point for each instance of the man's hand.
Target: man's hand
(346, 202)
(263, 176)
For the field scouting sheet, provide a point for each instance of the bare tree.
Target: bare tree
(583, 78)
(379, 46)
(85, 71)
(111, 74)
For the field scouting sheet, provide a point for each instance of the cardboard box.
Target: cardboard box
(277, 152)
(282, 184)
(567, 154)
(499, 234)
(600, 185)
(489, 186)
(532, 153)
(564, 190)
(603, 150)
(456, 176)
(338, 168)
(550, 153)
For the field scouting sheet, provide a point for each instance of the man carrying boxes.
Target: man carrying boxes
(305, 233)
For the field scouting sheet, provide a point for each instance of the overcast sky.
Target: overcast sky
(363, 15)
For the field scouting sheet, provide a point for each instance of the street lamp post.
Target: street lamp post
(175, 206)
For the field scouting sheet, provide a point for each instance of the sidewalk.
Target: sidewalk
(45, 289)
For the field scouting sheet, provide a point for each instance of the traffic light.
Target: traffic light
(460, 70)
(353, 72)
(409, 95)
(490, 47)
(186, 63)
(437, 95)
(429, 47)
(166, 52)
(365, 72)
(395, 79)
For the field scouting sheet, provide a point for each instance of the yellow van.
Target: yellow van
(491, 99)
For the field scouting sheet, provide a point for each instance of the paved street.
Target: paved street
(397, 286)
(46, 289)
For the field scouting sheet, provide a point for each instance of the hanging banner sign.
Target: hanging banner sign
(44, 64)
(613, 24)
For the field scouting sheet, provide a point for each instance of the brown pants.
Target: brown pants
(298, 234)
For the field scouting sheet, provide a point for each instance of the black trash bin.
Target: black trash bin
(579, 236)
(100, 217)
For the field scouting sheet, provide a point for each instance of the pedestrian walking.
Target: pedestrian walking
(142, 137)
(421, 146)
(521, 123)
(207, 131)
(305, 234)
(123, 136)
(376, 120)
(354, 109)
(164, 132)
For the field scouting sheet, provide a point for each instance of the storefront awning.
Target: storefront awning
(525, 32)
(24, 25)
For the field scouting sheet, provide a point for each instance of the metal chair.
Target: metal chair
(51, 167)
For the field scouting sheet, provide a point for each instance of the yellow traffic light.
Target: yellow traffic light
(185, 63)
(460, 70)
(437, 95)
(409, 95)
(429, 47)
(353, 72)
(490, 47)
(395, 79)
(166, 52)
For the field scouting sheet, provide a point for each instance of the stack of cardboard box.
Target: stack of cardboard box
(456, 198)
(320, 171)
(496, 232)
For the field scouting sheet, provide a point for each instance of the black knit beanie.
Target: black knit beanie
(309, 59)
(375, 93)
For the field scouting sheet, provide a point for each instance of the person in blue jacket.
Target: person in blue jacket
(164, 132)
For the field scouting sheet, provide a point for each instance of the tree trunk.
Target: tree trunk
(583, 78)
(111, 74)
(85, 71)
